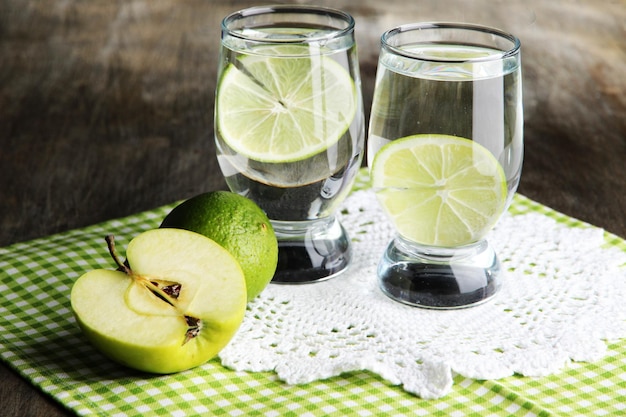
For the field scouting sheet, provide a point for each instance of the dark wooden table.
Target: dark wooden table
(106, 110)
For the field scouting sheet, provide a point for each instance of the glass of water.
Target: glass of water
(445, 152)
(289, 128)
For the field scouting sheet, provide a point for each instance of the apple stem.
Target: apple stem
(110, 239)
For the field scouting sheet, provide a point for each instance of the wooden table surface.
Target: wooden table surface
(106, 109)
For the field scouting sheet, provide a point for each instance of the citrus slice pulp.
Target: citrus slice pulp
(281, 105)
(439, 190)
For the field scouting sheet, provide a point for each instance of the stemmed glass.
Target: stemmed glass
(445, 152)
(289, 127)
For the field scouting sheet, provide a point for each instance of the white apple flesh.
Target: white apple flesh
(176, 304)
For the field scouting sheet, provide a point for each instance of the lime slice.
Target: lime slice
(283, 105)
(439, 190)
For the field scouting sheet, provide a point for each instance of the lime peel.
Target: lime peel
(237, 224)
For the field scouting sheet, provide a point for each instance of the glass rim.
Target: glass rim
(514, 50)
(293, 9)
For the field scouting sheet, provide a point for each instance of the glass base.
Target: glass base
(310, 251)
(439, 278)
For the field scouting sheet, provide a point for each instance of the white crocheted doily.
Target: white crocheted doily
(562, 297)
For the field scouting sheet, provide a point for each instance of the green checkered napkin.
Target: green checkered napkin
(40, 339)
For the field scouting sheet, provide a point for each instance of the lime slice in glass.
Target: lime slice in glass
(439, 190)
(283, 105)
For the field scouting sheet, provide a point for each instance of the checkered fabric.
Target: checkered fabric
(40, 339)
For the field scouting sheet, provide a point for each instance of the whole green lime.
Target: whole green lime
(239, 225)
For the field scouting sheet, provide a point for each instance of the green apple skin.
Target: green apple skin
(128, 323)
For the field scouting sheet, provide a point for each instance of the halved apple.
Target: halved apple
(174, 304)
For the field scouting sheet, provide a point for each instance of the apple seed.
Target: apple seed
(173, 290)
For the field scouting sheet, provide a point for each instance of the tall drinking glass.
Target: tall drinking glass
(445, 152)
(289, 128)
